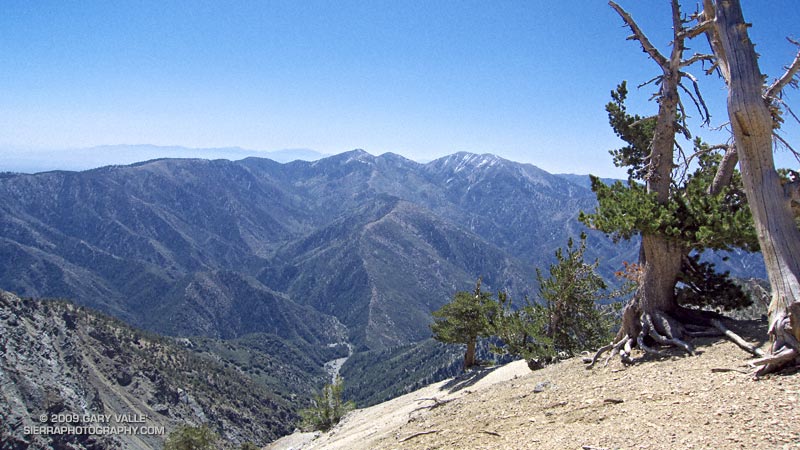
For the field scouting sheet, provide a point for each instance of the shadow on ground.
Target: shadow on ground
(467, 379)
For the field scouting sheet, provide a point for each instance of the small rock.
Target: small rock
(541, 387)
(124, 377)
(161, 409)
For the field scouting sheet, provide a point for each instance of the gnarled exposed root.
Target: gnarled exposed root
(614, 347)
(647, 330)
(736, 338)
(642, 330)
(785, 348)
(671, 329)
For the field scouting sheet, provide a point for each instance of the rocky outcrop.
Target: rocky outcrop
(71, 378)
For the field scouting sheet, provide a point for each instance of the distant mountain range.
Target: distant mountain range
(33, 160)
(266, 264)
(222, 249)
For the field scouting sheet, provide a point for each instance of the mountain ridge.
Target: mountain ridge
(37, 160)
(256, 261)
(120, 238)
(161, 220)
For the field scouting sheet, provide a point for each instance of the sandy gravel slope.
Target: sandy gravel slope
(676, 402)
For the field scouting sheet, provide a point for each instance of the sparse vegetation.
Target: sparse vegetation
(328, 408)
(192, 438)
(379, 375)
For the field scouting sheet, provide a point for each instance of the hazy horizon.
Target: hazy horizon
(527, 81)
(31, 161)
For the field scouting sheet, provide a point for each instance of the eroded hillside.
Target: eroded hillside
(59, 361)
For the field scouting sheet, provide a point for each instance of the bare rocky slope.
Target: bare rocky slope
(706, 401)
(63, 365)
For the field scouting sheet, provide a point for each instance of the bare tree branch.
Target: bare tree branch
(788, 109)
(638, 35)
(698, 57)
(418, 434)
(654, 79)
(712, 34)
(786, 78)
(703, 151)
(678, 33)
(788, 146)
(725, 170)
(703, 26)
(697, 98)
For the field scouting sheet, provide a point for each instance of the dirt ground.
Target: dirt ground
(708, 401)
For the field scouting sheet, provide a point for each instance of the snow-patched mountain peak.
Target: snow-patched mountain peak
(474, 168)
(358, 155)
(467, 161)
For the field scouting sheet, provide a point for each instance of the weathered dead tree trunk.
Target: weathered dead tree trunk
(753, 124)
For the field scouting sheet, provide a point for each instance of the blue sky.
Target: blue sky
(526, 80)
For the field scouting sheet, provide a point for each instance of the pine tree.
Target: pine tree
(697, 215)
(701, 212)
(328, 408)
(702, 209)
(466, 318)
(568, 320)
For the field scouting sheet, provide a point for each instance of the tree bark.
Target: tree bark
(661, 258)
(725, 171)
(778, 235)
(647, 315)
(469, 355)
(661, 270)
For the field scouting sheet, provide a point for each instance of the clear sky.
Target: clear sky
(526, 80)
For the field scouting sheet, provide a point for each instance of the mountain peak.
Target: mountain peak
(465, 160)
(357, 155)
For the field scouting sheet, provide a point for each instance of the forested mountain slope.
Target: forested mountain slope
(220, 248)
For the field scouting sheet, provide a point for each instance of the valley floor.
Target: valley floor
(676, 402)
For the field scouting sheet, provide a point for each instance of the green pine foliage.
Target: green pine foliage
(700, 285)
(636, 130)
(521, 332)
(692, 217)
(568, 320)
(573, 321)
(192, 438)
(465, 319)
(328, 408)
